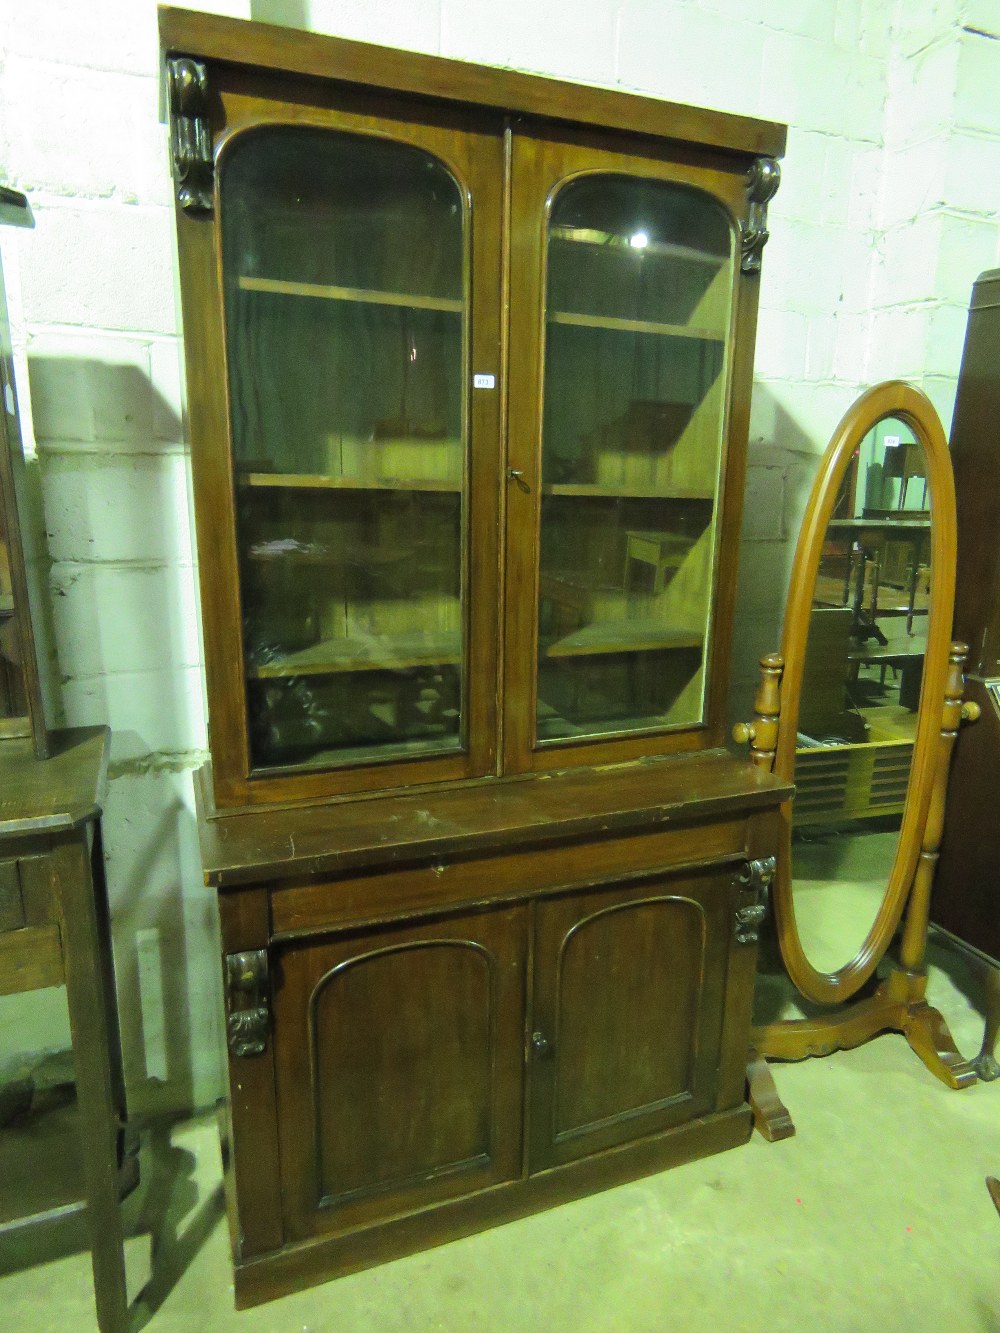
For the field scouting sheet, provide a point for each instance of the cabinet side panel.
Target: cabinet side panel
(254, 1143)
(967, 889)
(975, 451)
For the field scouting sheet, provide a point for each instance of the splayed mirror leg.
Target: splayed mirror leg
(929, 1037)
(770, 1115)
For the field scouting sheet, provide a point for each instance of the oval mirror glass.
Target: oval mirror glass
(860, 693)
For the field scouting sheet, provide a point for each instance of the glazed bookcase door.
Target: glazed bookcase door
(621, 381)
(359, 461)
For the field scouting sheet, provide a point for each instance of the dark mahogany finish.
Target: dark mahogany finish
(547, 993)
(967, 889)
(473, 978)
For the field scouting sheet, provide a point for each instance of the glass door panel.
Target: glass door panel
(344, 261)
(638, 298)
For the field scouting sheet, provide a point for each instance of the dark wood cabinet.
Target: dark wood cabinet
(966, 890)
(469, 358)
(447, 1010)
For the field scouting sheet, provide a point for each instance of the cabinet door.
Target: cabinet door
(400, 1068)
(629, 379)
(350, 615)
(627, 1013)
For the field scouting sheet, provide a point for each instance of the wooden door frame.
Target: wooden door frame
(464, 149)
(566, 155)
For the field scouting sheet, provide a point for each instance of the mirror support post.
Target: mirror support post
(762, 732)
(914, 943)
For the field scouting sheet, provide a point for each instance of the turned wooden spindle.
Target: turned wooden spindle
(914, 944)
(762, 732)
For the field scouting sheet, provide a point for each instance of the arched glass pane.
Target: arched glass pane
(639, 294)
(344, 270)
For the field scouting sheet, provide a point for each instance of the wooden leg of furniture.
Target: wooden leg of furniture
(770, 1115)
(97, 1051)
(985, 1063)
(993, 1185)
(898, 1005)
(928, 1035)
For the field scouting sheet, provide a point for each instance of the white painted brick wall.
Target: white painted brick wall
(977, 106)
(534, 36)
(415, 26)
(886, 214)
(691, 55)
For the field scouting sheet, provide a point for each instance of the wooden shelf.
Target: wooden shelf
(361, 754)
(291, 556)
(556, 727)
(625, 492)
(635, 326)
(336, 656)
(304, 481)
(622, 636)
(607, 240)
(360, 295)
(908, 526)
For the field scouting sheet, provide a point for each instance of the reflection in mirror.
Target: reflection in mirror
(860, 693)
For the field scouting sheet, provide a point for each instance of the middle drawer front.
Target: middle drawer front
(396, 894)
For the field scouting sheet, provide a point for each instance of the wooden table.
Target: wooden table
(54, 931)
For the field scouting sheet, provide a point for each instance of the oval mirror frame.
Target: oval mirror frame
(908, 404)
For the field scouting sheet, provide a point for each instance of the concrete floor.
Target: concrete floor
(874, 1216)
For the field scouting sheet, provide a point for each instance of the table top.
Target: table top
(47, 795)
(901, 647)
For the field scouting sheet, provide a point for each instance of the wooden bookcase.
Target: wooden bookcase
(469, 361)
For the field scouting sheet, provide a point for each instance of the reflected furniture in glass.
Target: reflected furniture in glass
(863, 666)
(469, 358)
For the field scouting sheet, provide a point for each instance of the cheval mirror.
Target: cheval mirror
(860, 710)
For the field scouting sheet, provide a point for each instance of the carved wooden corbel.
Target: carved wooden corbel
(190, 138)
(754, 884)
(763, 180)
(249, 1018)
